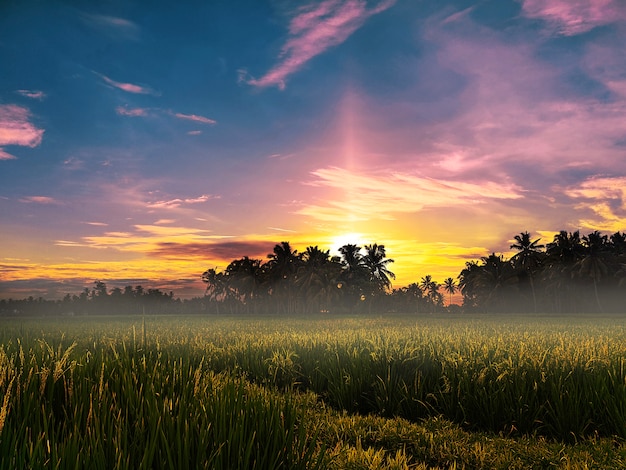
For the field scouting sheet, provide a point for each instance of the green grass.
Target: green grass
(350, 392)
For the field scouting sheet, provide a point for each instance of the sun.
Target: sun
(352, 238)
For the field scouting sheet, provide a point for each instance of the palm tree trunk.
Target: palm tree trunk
(595, 289)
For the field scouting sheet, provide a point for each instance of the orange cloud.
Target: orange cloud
(606, 198)
(381, 194)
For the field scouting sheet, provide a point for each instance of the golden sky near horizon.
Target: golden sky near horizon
(143, 147)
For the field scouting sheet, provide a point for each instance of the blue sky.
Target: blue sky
(143, 142)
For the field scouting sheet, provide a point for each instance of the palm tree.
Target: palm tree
(431, 288)
(617, 242)
(565, 248)
(379, 276)
(493, 276)
(527, 259)
(594, 264)
(562, 254)
(318, 278)
(354, 276)
(469, 284)
(216, 289)
(351, 257)
(244, 277)
(282, 269)
(450, 287)
(414, 295)
(376, 263)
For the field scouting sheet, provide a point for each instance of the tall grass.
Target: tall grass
(117, 407)
(236, 393)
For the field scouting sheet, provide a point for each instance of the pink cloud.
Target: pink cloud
(175, 203)
(512, 109)
(38, 200)
(6, 156)
(131, 112)
(313, 30)
(128, 87)
(16, 129)
(195, 118)
(571, 17)
(33, 94)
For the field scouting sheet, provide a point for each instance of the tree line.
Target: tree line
(98, 300)
(572, 273)
(312, 281)
(569, 274)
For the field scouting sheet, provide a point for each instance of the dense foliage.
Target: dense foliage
(569, 274)
(312, 281)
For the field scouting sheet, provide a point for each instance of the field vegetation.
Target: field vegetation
(263, 392)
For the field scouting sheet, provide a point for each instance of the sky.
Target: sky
(143, 142)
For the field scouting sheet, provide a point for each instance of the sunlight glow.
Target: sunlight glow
(345, 239)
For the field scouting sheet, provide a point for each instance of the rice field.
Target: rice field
(319, 392)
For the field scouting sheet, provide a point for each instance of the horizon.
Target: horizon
(144, 145)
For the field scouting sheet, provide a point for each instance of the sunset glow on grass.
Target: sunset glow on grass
(145, 144)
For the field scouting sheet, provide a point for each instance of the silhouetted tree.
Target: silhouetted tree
(527, 260)
(450, 287)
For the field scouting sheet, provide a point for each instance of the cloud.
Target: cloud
(32, 94)
(114, 26)
(144, 112)
(195, 118)
(97, 224)
(605, 197)
(6, 156)
(278, 229)
(131, 112)
(364, 196)
(39, 200)
(73, 163)
(314, 29)
(513, 113)
(572, 17)
(223, 251)
(143, 238)
(16, 129)
(128, 87)
(177, 202)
